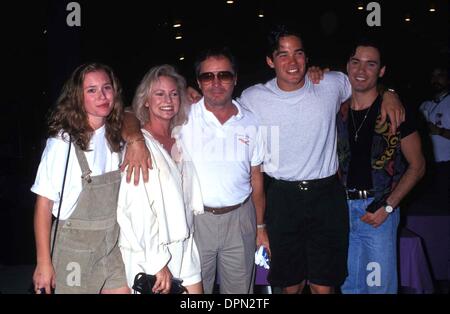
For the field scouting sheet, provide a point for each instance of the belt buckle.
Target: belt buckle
(303, 185)
(362, 194)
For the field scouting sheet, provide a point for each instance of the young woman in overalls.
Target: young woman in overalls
(84, 140)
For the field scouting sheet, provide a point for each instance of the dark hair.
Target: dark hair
(369, 42)
(215, 52)
(277, 32)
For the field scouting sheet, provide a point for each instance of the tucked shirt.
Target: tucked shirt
(223, 154)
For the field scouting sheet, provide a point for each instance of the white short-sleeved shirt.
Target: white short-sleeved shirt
(223, 154)
(50, 173)
(438, 112)
(300, 125)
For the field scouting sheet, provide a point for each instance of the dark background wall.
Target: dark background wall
(40, 50)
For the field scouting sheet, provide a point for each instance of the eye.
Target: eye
(174, 94)
(91, 90)
(108, 87)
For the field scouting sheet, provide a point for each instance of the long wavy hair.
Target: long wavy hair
(144, 90)
(71, 118)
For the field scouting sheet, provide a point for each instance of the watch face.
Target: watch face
(388, 208)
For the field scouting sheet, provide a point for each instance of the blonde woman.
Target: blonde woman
(156, 217)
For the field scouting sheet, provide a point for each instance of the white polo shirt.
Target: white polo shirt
(223, 154)
(50, 173)
(438, 112)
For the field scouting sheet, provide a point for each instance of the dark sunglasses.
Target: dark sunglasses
(222, 76)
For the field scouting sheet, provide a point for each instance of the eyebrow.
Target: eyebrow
(280, 50)
(90, 86)
(373, 61)
(163, 90)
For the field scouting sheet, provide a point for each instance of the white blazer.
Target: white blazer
(154, 214)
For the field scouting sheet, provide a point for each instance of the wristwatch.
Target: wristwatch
(388, 208)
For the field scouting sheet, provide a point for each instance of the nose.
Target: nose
(102, 94)
(292, 59)
(168, 99)
(216, 81)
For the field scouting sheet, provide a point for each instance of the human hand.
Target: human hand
(375, 219)
(44, 278)
(262, 239)
(193, 95)
(163, 281)
(392, 107)
(316, 73)
(137, 159)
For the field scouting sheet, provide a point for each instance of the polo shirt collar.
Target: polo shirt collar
(206, 113)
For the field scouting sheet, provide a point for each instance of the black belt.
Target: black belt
(305, 185)
(359, 194)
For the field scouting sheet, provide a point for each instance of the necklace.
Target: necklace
(360, 126)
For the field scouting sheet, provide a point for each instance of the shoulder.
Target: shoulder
(57, 144)
(335, 77)
(253, 94)
(256, 90)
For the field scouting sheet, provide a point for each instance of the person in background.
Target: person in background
(436, 111)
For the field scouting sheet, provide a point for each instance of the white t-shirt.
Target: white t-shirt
(50, 173)
(439, 113)
(223, 154)
(301, 125)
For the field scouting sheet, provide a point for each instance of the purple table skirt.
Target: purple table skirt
(414, 269)
(435, 233)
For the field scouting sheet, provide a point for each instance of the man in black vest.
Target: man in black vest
(373, 172)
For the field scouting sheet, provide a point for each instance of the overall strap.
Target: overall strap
(85, 170)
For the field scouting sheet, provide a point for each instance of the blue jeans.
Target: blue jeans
(372, 253)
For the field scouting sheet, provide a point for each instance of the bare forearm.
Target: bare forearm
(131, 128)
(260, 204)
(42, 227)
(258, 197)
(407, 182)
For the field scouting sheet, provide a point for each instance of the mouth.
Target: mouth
(167, 108)
(104, 105)
(293, 71)
(360, 79)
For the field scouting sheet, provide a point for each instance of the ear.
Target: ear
(382, 70)
(270, 62)
(235, 80)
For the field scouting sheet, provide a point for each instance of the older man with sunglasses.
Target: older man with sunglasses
(226, 147)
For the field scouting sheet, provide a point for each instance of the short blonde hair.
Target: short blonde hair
(145, 87)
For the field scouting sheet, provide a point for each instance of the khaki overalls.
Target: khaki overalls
(87, 258)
